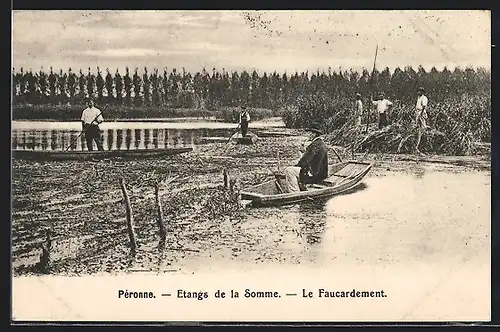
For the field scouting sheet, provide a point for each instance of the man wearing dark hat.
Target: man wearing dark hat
(312, 166)
(421, 115)
(358, 110)
(383, 106)
(91, 118)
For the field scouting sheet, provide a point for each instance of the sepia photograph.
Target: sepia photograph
(250, 165)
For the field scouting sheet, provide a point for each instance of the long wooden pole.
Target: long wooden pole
(237, 128)
(338, 156)
(371, 86)
(130, 216)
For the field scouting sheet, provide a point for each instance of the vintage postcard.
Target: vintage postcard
(299, 166)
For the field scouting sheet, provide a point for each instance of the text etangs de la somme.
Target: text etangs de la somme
(248, 293)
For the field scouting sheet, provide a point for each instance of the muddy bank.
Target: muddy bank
(82, 206)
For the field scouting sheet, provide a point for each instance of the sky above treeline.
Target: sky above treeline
(250, 40)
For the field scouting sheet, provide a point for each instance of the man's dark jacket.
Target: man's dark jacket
(314, 160)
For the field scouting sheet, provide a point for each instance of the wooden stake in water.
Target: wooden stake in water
(159, 209)
(226, 178)
(130, 217)
(44, 264)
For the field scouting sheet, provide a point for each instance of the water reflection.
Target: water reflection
(407, 216)
(113, 139)
(312, 216)
(396, 218)
(312, 222)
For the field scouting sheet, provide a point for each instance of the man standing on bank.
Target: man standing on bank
(312, 166)
(244, 120)
(91, 119)
(358, 110)
(383, 105)
(421, 116)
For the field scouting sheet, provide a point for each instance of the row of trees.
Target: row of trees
(264, 90)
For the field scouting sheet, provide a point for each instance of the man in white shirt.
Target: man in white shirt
(383, 106)
(358, 110)
(421, 115)
(91, 118)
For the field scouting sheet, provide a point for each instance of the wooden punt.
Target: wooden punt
(249, 139)
(84, 155)
(344, 176)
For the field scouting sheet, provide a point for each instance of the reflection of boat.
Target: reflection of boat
(82, 155)
(344, 176)
(249, 139)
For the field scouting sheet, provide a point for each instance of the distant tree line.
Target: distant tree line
(211, 90)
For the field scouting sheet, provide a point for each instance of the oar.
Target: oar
(83, 131)
(233, 133)
(276, 177)
(371, 84)
(338, 156)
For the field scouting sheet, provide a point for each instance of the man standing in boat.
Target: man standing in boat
(244, 120)
(91, 119)
(312, 166)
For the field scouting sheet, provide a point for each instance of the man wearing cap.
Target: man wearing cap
(91, 118)
(421, 115)
(358, 110)
(383, 106)
(312, 166)
(244, 120)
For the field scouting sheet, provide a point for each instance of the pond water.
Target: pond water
(431, 217)
(41, 135)
(423, 237)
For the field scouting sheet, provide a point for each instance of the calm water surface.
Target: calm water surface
(41, 135)
(430, 218)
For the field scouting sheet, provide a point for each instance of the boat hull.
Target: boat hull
(249, 139)
(86, 155)
(260, 196)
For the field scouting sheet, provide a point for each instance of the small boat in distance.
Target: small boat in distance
(85, 155)
(344, 176)
(249, 139)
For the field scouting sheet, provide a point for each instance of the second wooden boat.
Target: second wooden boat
(85, 155)
(249, 139)
(343, 177)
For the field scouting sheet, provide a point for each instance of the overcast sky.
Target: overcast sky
(235, 40)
